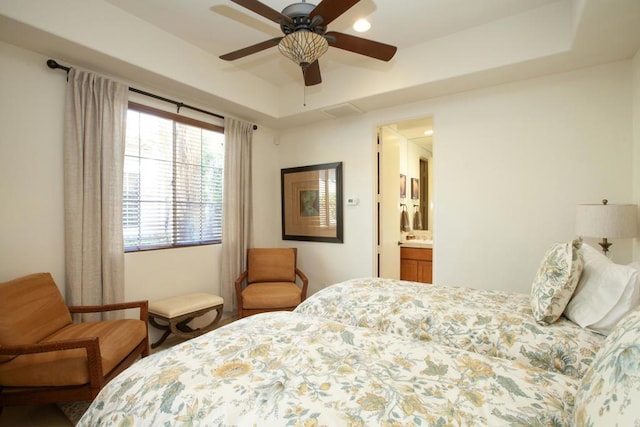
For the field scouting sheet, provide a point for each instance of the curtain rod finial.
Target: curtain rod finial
(51, 63)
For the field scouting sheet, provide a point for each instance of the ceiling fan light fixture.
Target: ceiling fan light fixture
(303, 47)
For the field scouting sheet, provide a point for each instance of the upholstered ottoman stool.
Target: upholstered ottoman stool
(176, 312)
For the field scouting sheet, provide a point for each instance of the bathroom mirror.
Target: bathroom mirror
(416, 163)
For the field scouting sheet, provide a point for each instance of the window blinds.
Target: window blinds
(173, 176)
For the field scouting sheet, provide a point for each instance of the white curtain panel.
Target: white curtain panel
(236, 212)
(94, 141)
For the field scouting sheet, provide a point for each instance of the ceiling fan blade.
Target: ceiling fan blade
(263, 10)
(331, 9)
(377, 50)
(312, 74)
(240, 53)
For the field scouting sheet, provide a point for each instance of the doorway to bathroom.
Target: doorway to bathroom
(404, 183)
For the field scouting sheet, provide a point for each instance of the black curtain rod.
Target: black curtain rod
(54, 65)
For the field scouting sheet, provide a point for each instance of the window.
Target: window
(173, 172)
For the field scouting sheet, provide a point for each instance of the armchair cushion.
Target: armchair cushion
(271, 295)
(69, 367)
(32, 309)
(271, 265)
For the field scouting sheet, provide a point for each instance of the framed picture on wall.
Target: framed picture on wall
(312, 203)
(415, 188)
(403, 186)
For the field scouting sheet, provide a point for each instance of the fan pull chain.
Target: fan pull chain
(304, 86)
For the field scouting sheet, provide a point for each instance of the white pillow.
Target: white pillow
(629, 300)
(605, 292)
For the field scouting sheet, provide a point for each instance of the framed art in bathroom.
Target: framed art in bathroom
(312, 203)
(403, 186)
(415, 188)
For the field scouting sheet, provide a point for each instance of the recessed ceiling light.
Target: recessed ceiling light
(428, 132)
(361, 25)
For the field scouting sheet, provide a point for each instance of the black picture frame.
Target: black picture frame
(312, 203)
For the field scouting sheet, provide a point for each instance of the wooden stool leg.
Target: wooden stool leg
(180, 328)
(179, 325)
(214, 322)
(165, 328)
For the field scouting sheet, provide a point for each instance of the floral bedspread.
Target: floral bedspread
(489, 322)
(289, 369)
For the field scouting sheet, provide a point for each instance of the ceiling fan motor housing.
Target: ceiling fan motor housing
(299, 14)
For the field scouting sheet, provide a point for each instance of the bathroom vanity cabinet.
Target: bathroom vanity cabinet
(416, 264)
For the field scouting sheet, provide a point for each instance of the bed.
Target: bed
(494, 323)
(577, 297)
(285, 368)
(372, 352)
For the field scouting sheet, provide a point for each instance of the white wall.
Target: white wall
(351, 142)
(32, 207)
(31, 190)
(511, 163)
(636, 139)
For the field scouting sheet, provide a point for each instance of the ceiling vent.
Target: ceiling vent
(342, 110)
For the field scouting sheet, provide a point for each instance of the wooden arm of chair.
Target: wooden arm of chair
(90, 344)
(16, 350)
(239, 281)
(142, 305)
(305, 283)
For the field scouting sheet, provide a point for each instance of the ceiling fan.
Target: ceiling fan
(306, 37)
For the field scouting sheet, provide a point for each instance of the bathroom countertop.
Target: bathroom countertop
(423, 244)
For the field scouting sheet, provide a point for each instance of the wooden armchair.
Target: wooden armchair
(269, 283)
(45, 357)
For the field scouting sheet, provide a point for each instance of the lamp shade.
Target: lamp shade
(606, 221)
(303, 47)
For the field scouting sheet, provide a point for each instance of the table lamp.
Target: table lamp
(606, 221)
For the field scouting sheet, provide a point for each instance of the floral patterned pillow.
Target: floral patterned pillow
(555, 281)
(609, 394)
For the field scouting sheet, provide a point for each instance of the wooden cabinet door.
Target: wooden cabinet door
(409, 269)
(416, 265)
(424, 272)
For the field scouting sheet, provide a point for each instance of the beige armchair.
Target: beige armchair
(45, 357)
(269, 283)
